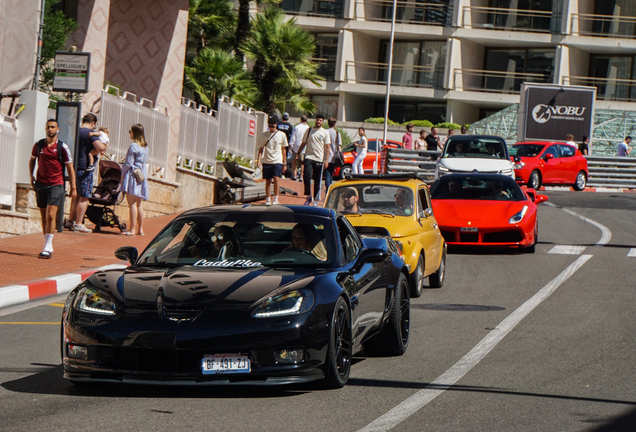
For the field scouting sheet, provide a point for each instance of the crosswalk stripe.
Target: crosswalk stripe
(567, 250)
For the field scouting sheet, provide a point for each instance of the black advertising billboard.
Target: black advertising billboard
(550, 112)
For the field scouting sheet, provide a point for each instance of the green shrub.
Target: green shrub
(420, 123)
(380, 120)
(447, 125)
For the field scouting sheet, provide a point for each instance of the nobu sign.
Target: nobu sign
(550, 112)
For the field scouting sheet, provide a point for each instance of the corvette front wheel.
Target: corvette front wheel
(340, 347)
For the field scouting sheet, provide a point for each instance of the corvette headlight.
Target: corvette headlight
(94, 301)
(289, 303)
(519, 216)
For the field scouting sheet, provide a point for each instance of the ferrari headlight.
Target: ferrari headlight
(519, 216)
(289, 303)
(93, 301)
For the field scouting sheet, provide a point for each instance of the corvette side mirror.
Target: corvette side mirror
(367, 256)
(127, 253)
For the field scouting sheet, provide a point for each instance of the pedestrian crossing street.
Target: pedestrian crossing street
(578, 250)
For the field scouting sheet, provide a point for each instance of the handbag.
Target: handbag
(138, 174)
(338, 159)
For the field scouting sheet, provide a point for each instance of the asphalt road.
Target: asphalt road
(512, 342)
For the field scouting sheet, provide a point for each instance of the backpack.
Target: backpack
(60, 150)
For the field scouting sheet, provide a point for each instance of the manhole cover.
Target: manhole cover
(456, 307)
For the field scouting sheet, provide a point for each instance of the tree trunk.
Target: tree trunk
(267, 89)
(242, 27)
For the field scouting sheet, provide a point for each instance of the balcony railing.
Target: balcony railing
(603, 26)
(509, 19)
(495, 82)
(401, 76)
(326, 68)
(610, 89)
(319, 8)
(408, 12)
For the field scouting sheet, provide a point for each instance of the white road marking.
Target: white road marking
(567, 250)
(474, 356)
(463, 366)
(632, 252)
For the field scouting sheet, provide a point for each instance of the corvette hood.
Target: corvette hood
(480, 164)
(476, 213)
(207, 288)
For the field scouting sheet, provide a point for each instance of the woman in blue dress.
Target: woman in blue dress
(136, 192)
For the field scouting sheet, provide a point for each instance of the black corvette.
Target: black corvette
(240, 295)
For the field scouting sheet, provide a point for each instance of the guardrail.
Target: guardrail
(421, 161)
(611, 172)
(492, 18)
(8, 144)
(603, 26)
(402, 75)
(495, 81)
(614, 89)
(408, 12)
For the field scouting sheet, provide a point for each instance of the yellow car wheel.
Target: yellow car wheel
(417, 278)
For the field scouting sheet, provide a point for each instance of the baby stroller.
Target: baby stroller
(107, 193)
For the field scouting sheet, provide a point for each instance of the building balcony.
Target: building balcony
(402, 75)
(407, 12)
(490, 18)
(495, 82)
(608, 89)
(326, 68)
(603, 26)
(316, 8)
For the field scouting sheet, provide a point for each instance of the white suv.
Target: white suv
(475, 153)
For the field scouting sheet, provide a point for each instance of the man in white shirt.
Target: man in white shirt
(336, 144)
(272, 154)
(317, 142)
(295, 141)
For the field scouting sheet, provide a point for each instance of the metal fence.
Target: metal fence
(8, 144)
(119, 113)
(205, 134)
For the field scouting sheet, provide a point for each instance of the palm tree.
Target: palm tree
(281, 52)
(243, 23)
(214, 73)
(211, 23)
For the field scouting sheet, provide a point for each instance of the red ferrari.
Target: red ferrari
(549, 163)
(369, 160)
(486, 210)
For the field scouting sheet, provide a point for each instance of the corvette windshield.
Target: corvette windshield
(389, 200)
(239, 240)
(490, 188)
(528, 150)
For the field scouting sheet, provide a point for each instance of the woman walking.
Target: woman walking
(134, 179)
(361, 149)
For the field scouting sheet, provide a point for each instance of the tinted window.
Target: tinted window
(493, 188)
(567, 150)
(528, 150)
(553, 150)
(475, 147)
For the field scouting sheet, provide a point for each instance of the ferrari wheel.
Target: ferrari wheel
(436, 280)
(534, 181)
(417, 278)
(581, 181)
(340, 347)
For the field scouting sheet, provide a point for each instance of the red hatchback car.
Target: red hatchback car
(369, 160)
(540, 163)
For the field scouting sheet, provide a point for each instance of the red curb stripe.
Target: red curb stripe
(42, 288)
(86, 273)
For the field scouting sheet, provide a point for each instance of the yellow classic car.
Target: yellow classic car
(398, 205)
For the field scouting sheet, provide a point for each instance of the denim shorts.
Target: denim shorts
(272, 170)
(84, 183)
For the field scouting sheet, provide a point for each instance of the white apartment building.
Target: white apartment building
(462, 60)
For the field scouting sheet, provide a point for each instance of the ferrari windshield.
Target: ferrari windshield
(387, 199)
(477, 187)
(239, 240)
(527, 150)
(475, 147)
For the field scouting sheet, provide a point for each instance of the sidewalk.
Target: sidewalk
(24, 277)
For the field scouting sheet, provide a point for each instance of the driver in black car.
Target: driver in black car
(305, 237)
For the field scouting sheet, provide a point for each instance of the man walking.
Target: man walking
(623, 148)
(336, 144)
(285, 126)
(317, 142)
(295, 141)
(52, 156)
(79, 204)
(273, 156)
(407, 139)
(433, 141)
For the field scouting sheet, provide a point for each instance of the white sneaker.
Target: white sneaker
(268, 202)
(275, 202)
(81, 229)
(314, 203)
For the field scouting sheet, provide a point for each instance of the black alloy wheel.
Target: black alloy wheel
(417, 278)
(397, 331)
(534, 181)
(340, 347)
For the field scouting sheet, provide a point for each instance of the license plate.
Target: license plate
(225, 363)
(469, 229)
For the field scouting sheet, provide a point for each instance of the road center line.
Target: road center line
(474, 356)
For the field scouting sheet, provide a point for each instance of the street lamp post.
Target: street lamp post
(388, 87)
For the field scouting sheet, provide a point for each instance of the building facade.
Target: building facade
(462, 60)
